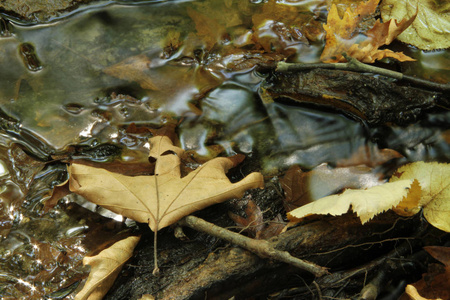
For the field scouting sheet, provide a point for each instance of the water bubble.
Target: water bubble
(3, 169)
(29, 57)
(73, 108)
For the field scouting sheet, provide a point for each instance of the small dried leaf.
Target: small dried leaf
(105, 267)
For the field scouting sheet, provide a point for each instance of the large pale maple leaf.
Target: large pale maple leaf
(161, 199)
(343, 36)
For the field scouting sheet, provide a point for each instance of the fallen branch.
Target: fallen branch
(262, 248)
(357, 66)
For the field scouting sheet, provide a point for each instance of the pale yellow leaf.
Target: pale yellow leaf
(431, 28)
(162, 199)
(105, 267)
(413, 294)
(434, 180)
(365, 203)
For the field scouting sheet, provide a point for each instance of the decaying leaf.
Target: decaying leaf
(434, 180)
(431, 28)
(435, 283)
(365, 203)
(164, 198)
(105, 267)
(254, 223)
(343, 35)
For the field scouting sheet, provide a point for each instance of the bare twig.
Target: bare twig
(262, 248)
(357, 66)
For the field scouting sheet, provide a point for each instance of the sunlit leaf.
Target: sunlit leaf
(164, 198)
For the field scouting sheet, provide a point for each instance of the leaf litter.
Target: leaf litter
(167, 158)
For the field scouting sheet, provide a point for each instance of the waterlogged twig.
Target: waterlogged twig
(357, 66)
(262, 248)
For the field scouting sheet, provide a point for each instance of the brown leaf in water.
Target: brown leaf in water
(370, 157)
(164, 198)
(105, 267)
(134, 68)
(343, 36)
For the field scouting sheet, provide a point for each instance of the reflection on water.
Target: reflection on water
(70, 89)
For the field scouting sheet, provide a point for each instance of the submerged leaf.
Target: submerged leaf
(431, 28)
(164, 198)
(343, 36)
(105, 267)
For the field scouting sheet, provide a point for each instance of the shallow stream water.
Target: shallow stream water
(71, 88)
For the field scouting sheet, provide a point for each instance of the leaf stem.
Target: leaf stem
(262, 248)
(357, 66)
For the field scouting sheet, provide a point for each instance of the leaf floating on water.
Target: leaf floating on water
(105, 267)
(164, 198)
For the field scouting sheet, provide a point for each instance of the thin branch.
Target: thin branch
(357, 66)
(262, 248)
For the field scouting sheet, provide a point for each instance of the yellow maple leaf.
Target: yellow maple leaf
(434, 180)
(343, 37)
(161, 199)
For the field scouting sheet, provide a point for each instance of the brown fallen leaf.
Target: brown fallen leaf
(164, 198)
(343, 35)
(105, 267)
(435, 283)
(253, 223)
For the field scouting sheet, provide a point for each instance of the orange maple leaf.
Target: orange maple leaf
(343, 35)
